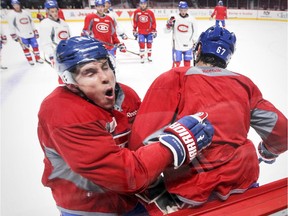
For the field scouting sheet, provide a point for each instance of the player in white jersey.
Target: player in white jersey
(52, 31)
(109, 11)
(184, 33)
(3, 40)
(22, 30)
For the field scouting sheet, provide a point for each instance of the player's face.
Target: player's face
(107, 5)
(97, 81)
(143, 6)
(53, 13)
(17, 7)
(100, 9)
(183, 12)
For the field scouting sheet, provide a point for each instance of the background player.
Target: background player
(184, 33)
(234, 103)
(102, 27)
(220, 13)
(52, 30)
(40, 16)
(110, 12)
(3, 40)
(22, 30)
(144, 28)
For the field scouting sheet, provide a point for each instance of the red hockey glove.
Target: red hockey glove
(170, 22)
(187, 137)
(122, 47)
(3, 39)
(36, 34)
(265, 155)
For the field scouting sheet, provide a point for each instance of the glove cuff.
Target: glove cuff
(176, 147)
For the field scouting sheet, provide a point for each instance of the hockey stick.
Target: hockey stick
(110, 44)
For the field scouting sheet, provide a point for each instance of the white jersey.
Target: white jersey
(51, 33)
(21, 24)
(184, 32)
(119, 29)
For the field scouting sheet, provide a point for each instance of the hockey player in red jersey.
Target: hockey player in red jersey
(83, 137)
(234, 103)
(144, 28)
(102, 27)
(220, 13)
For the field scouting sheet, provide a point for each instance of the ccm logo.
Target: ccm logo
(24, 21)
(102, 27)
(182, 28)
(63, 35)
(143, 19)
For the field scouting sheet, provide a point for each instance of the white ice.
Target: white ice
(261, 54)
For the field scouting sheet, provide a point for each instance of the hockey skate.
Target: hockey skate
(31, 63)
(40, 61)
(149, 59)
(142, 59)
(3, 67)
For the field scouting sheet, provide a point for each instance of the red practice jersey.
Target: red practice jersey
(220, 12)
(234, 103)
(102, 28)
(144, 21)
(86, 166)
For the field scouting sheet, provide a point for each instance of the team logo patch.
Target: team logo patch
(24, 21)
(63, 35)
(143, 18)
(182, 28)
(102, 27)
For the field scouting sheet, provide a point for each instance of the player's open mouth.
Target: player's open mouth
(109, 92)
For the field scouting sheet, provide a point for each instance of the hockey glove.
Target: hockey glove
(15, 37)
(123, 36)
(154, 34)
(121, 47)
(265, 155)
(135, 34)
(187, 137)
(170, 22)
(3, 39)
(36, 34)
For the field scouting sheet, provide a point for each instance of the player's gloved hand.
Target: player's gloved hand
(123, 36)
(3, 39)
(154, 34)
(36, 34)
(135, 34)
(15, 37)
(122, 47)
(187, 137)
(265, 155)
(170, 22)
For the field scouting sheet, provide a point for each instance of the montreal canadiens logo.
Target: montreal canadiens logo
(182, 28)
(24, 21)
(102, 27)
(63, 35)
(143, 19)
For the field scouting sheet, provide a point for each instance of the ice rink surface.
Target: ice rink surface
(261, 55)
